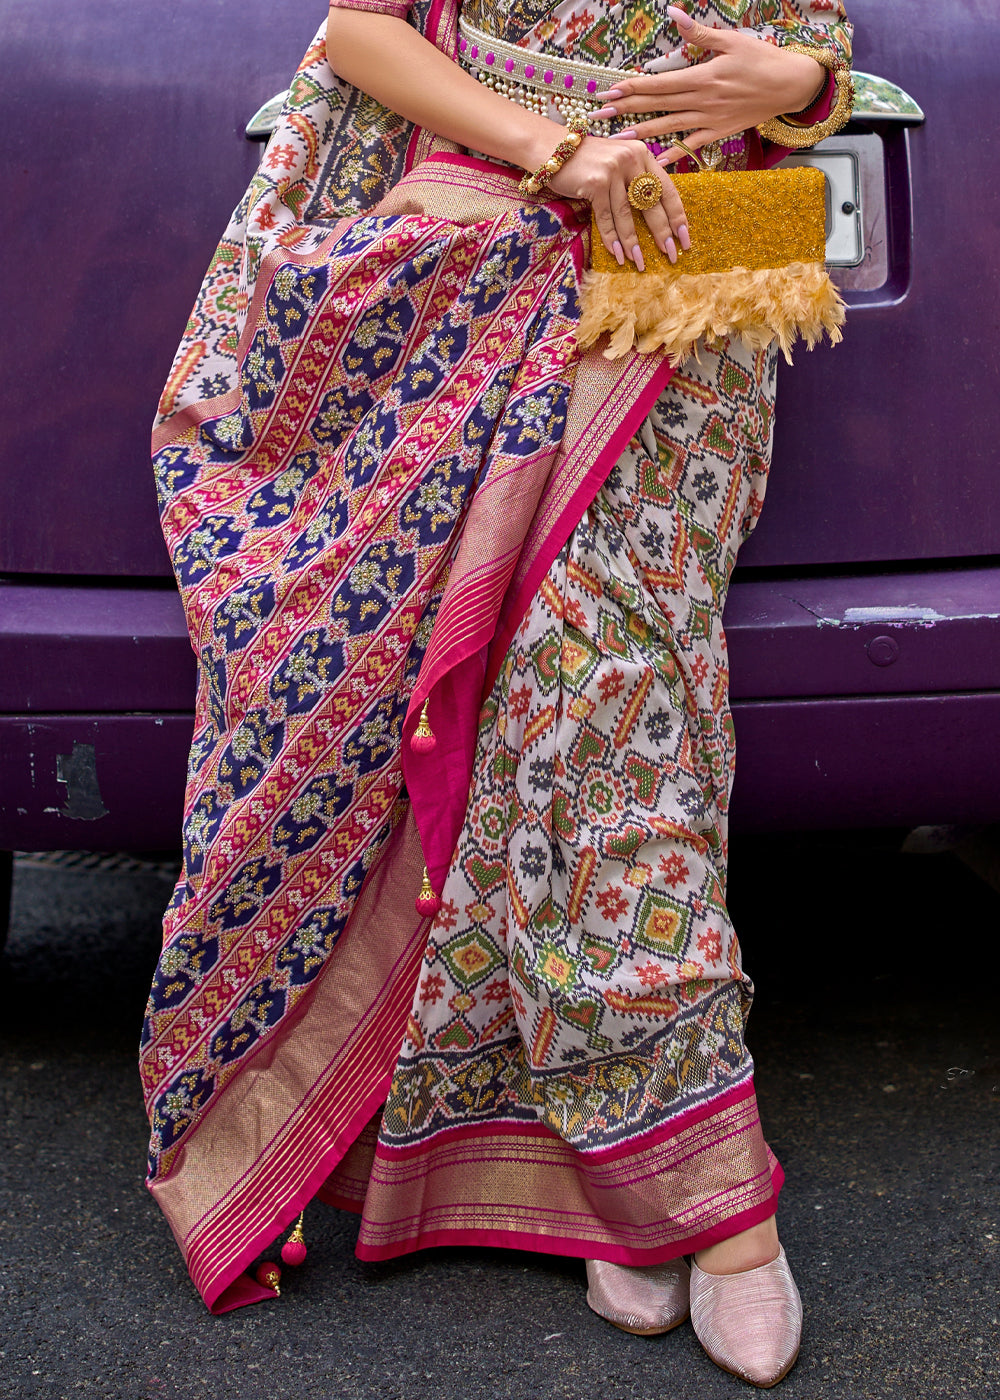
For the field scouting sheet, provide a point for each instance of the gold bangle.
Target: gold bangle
(784, 132)
(536, 180)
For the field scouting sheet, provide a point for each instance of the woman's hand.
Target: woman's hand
(747, 82)
(387, 58)
(600, 172)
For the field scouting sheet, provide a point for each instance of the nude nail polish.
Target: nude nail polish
(619, 253)
(611, 92)
(603, 112)
(670, 247)
(627, 135)
(683, 237)
(638, 259)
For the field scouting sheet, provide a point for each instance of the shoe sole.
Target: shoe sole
(761, 1385)
(642, 1331)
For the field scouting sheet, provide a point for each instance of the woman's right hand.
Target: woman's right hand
(600, 172)
(386, 57)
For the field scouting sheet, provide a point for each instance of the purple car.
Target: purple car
(864, 622)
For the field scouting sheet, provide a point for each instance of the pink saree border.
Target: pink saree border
(542, 1243)
(221, 1240)
(213, 1280)
(566, 1215)
(459, 159)
(233, 1288)
(212, 1277)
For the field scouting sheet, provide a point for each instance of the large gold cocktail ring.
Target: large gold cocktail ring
(644, 192)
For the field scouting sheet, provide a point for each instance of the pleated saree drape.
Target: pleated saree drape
(390, 482)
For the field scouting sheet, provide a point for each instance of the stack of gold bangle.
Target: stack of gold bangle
(785, 131)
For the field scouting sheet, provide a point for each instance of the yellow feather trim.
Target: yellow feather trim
(649, 311)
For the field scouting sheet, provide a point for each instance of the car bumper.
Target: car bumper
(862, 701)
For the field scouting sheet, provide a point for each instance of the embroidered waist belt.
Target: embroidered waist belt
(558, 88)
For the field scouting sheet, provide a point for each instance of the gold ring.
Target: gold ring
(644, 192)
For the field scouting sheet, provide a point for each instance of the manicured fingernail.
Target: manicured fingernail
(683, 237)
(604, 112)
(611, 92)
(637, 258)
(679, 16)
(619, 253)
(670, 248)
(627, 135)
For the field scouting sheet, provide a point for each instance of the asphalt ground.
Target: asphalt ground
(876, 1037)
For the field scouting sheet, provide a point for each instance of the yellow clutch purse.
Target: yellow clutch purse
(755, 269)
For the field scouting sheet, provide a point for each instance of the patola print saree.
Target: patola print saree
(392, 486)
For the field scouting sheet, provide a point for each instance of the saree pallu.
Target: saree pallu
(388, 484)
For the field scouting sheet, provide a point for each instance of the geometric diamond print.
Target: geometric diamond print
(663, 923)
(471, 957)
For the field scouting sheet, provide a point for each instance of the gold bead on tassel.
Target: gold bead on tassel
(423, 739)
(268, 1275)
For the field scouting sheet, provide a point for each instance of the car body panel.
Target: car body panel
(864, 619)
(125, 151)
(72, 650)
(98, 782)
(115, 782)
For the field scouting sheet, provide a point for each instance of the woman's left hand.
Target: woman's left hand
(746, 82)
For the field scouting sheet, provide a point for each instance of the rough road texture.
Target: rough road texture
(879, 1079)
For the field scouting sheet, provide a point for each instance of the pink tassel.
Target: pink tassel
(427, 902)
(294, 1251)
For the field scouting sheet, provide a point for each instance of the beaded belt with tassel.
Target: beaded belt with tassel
(558, 88)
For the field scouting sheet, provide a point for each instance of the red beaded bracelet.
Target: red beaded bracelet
(536, 180)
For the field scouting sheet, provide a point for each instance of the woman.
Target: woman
(450, 946)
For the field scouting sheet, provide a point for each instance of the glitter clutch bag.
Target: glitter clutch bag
(755, 269)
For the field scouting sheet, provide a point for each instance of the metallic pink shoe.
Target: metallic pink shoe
(645, 1300)
(750, 1324)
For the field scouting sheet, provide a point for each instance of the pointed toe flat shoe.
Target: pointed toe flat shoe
(645, 1300)
(750, 1324)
